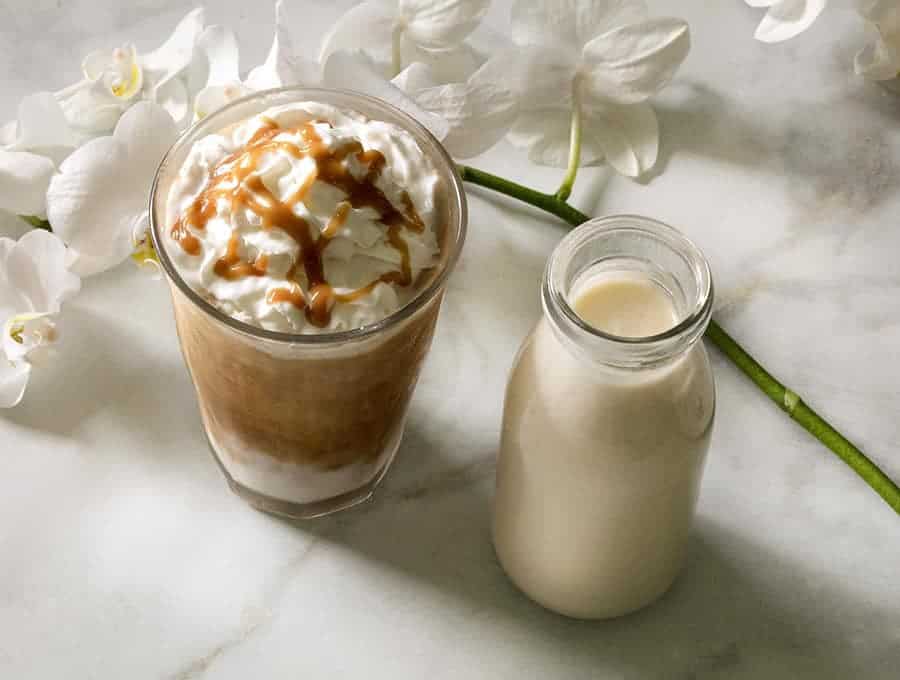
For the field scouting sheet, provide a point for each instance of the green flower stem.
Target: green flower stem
(547, 202)
(36, 222)
(791, 403)
(565, 189)
(786, 399)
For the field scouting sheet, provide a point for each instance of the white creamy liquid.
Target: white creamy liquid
(599, 468)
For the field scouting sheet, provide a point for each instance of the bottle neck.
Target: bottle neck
(637, 247)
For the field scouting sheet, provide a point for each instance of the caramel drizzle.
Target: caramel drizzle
(233, 178)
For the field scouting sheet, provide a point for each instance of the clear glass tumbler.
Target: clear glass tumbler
(303, 425)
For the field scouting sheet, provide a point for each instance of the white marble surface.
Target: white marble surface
(123, 555)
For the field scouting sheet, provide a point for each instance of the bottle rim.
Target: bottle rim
(617, 350)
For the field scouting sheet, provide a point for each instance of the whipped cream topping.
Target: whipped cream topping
(304, 219)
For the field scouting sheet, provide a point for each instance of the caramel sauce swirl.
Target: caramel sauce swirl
(235, 179)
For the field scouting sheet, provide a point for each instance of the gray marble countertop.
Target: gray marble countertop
(123, 555)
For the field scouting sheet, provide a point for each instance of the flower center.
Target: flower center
(24, 333)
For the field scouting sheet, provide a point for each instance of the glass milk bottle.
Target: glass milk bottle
(607, 420)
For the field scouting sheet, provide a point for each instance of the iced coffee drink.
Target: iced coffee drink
(307, 236)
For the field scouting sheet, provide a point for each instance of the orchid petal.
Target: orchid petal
(570, 24)
(172, 96)
(478, 112)
(453, 65)
(13, 381)
(441, 24)
(37, 265)
(11, 298)
(788, 18)
(146, 132)
(477, 115)
(100, 189)
(24, 178)
(416, 76)
(214, 97)
(630, 63)
(628, 136)
(95, 64)
(90, 208)
(219, 45)
(367, 25)
(541, 77)
(176, 52)
(761, 3)
(545, 133)
(92, 110)
(41, 125)
(355, 71)
(283, 65)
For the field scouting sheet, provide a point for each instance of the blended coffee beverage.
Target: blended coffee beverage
(307, 246)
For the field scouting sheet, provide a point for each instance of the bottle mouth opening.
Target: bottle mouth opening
(452, 237)
(629, 244)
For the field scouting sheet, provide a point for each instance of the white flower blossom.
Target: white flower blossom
(30, 147)
(102, 190)
(881, 59)
(478, 112)
(590, 66)
(786, 18)
(116, 79)
(401, 32)
(40, 127)
(34, 282)
(24, 178)
(286, 65)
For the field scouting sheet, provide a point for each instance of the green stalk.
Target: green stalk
(565, 189)
(36, 222)
(547, 202)
(786, 399)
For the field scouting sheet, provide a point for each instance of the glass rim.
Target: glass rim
(437, 153)
(697, 316)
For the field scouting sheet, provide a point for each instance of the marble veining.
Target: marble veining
(122, 554)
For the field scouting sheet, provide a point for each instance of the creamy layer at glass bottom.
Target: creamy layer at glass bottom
(303, 430)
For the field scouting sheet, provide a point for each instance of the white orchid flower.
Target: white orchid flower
(786, 18)
(102, 190)
(30, 147)
(40, 127)
(223, 84)
(881, 59)
(584, 70)
(34, 282)
(24, 179)
(356, 71)
(285, 65)
(407, 31)
(115, 79)
(478, 112)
